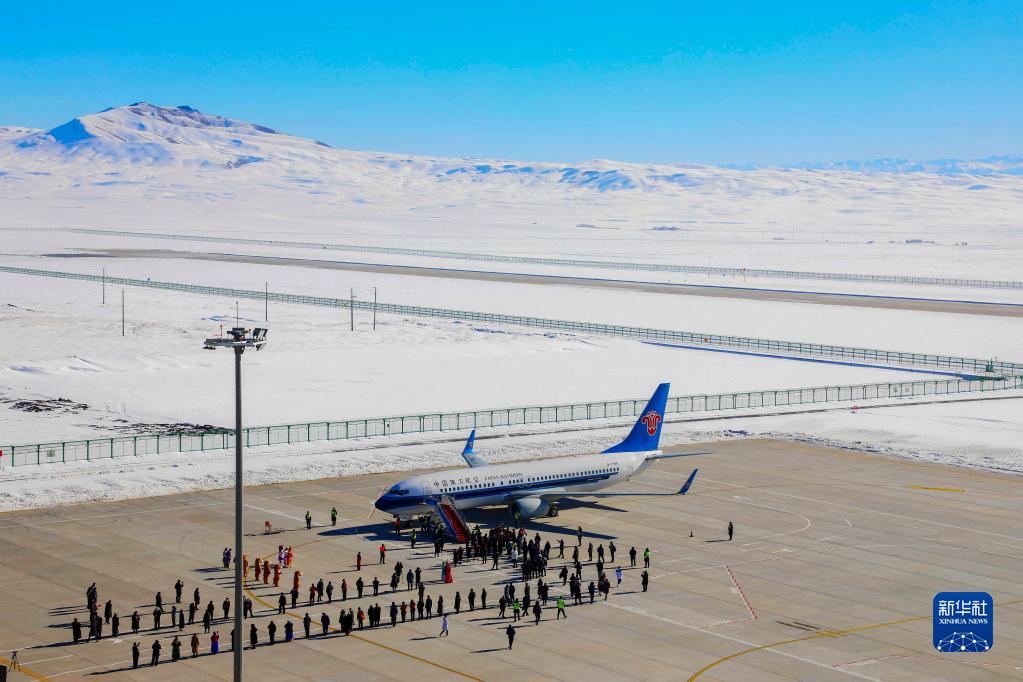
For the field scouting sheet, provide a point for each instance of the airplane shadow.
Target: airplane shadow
(376, 531)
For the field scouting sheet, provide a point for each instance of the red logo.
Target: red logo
(651, 419)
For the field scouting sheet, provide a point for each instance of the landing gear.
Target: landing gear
(553, 511)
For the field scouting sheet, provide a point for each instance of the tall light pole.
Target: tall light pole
(239, 339)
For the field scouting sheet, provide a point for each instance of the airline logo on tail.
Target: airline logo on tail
(646, 432)
(651, 419)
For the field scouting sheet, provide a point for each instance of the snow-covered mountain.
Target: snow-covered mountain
(142, 133)
(166, 165)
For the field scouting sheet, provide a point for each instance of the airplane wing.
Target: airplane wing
(558, 493)
(471, 458)
(668, 455)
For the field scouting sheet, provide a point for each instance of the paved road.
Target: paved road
(836, 559)
(962, 306)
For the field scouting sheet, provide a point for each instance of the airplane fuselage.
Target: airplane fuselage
(499, 484)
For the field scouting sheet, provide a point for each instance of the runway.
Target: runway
(836, 558)
(960, 306)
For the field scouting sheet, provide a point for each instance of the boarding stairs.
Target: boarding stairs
(454, 523)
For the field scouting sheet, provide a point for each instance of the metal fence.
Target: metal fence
(576, 262)
(970, 366)
(128, 446)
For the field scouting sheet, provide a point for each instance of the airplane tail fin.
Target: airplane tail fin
(470, 456)
(646, 432)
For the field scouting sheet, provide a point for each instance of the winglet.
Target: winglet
(688, 483)
(471, 458)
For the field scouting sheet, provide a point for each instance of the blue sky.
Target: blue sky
(712, 82)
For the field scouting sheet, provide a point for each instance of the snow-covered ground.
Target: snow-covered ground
(43, 243)
(930, 332)
(983, 434)
(61, 342)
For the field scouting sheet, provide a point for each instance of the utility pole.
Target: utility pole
(122, 312)
(104, 286)
(236, 323)
(374, 308)
(351, 306)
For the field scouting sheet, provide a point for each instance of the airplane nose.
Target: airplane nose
(381, 503)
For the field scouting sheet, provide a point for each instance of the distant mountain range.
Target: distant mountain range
(169, 163)
(145, 133)
(1011, 164)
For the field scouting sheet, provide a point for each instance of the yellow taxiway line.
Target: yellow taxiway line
(819, 635)
(22, 669)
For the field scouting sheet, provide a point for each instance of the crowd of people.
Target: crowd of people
(528, 558)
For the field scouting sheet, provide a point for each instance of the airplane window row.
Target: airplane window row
(588, 472)
(456, 488)
(550, 477)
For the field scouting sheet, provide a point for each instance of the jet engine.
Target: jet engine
(531, 507)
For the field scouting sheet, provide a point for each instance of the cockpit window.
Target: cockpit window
(398, 491)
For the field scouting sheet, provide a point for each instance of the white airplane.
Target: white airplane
(532, 489)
